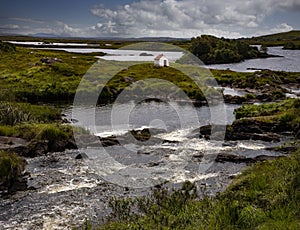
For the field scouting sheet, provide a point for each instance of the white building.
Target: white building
(161, 60)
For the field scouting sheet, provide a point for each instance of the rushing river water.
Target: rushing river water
(65, 191)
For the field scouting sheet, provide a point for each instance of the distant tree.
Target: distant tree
(213, 50)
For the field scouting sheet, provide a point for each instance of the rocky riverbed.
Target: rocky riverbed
(64, 188)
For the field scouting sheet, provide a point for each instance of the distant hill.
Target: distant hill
(287, 39)
(44, 35)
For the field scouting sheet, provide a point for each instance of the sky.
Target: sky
(149, 18)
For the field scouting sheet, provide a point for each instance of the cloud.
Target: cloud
(185, 18)
(281, 28)
(28, 20)
(9, 27)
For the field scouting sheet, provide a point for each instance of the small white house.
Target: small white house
(161, 60)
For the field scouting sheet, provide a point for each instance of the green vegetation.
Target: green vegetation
(11, 167)
(33, 122)
(36, 131)
(12, 113)
(292, 46)
(213, 50)
(7, 47)
(147, 71)
(283, 115)
(25, 78)
(266, 81)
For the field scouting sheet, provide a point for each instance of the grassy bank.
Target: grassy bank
(283, 116)
(12, 166)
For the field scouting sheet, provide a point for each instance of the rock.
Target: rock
(234, 99)
(48, 60)
(153, 164)
(129, 79)
(225, 157)
(265, 158)
(212, 132)
(81, 156)
(198, 156)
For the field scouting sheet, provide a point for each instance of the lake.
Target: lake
(289, 62)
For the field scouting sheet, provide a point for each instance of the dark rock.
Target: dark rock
(170, 142)
(153, 164)
(38, 148)
(212, 132)
(198, 156)
(48, 60)
(81, 156)
(265, 158)
(225, 157)
(159, 151)
(109, 141)
(234, 99)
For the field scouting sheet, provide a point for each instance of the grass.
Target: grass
(11, 166)
(25, 78)
(33, 131)
(12, 113)
(284, 115)
(255, 80)
(265, 196)
(33, 122)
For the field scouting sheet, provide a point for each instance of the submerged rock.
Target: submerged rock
(81, 156)
(233, 158)
(242, 129)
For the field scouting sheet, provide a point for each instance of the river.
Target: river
(65, 191)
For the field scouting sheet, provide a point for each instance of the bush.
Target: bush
(7, 47)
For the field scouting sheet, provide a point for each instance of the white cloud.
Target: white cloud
(28, 20)
(186, 18)
(281, 28)
(9, 26)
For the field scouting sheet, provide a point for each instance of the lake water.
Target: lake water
(290, 62)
